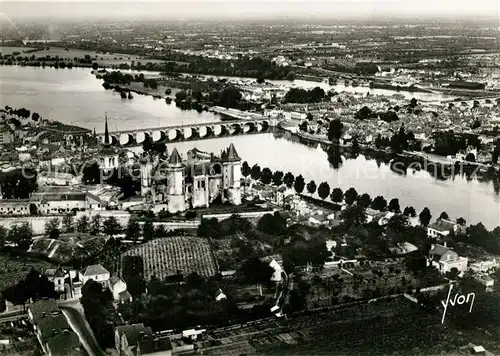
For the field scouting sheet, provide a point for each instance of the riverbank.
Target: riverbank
(439, 164)
(412, 88)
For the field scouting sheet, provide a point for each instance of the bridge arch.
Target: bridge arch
(142, 136)
(175, 134)
(235, 129)
(126, 139)
(113, 140)
(249, 127)
(159, 136)
(190, 132)
(263, 126)
(205, 131)
(220, 130)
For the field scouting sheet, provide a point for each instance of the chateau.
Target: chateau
(176, 185)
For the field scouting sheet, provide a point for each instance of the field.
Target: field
(384, 327)
(10, 50)
(106, 59)
(330, 286)
(172, 255)
(15, 268)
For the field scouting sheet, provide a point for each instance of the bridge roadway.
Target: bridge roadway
(193, 131)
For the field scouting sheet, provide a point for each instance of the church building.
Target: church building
(108, 155)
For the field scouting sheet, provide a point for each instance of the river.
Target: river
(75, 96)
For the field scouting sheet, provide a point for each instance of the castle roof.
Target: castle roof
(175, 157)
(230, 154)
(93, 270)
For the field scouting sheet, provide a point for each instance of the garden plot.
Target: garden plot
(172, 255)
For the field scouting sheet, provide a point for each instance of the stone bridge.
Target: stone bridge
(198, 131)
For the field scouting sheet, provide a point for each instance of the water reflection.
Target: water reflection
(335, 156)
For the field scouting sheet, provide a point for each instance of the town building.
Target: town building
(441, 228)
(70, 282)
(137, 339)
(445, 259)
(56, 178)
(95, 272)
(52, 329)
(57, 276)
(67, 202)
(119, 289)
(6, 135)
(275, 262)
(219, 295)
(108, 157)
(179, 184)
(15, 206)
(484, 266)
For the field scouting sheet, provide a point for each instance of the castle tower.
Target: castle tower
(146, 179)
(175, 171)
(231, 175)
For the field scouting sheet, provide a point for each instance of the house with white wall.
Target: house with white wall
(95, 272)
(445, 259)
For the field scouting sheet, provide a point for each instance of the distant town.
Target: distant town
(120, 238)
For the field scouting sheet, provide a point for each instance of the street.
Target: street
(80, 326)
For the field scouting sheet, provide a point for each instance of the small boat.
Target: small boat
(123, 95)
(130, 95)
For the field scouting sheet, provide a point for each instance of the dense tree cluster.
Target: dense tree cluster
(479, 236)
(117, 77)
(496, 151)
(228, 97)
(18, 183)
(100, 313)
(358, 68)
(298, 95)
(449, 143)
(301, 251)
(335, 130)
(180, 306)
(215, 229)
(33, 287)
(399, 141)
(364, 113)
(255, 67)
(133, 275)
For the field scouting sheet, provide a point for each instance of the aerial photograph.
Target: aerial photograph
(242, 178)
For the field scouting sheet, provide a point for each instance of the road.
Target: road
(81, 327)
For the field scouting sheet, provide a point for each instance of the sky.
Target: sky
(240, 9)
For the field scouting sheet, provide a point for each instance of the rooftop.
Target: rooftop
(439, 250)
(175, 157)
(442, 225)
(94, 270)
(52, 325)
(55, 272)
(40, 307)
(64, 343)
(138, 334)
(230, 154)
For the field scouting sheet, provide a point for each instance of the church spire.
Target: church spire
(106, 131)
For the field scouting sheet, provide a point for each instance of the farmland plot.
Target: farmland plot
(168, 256)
